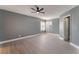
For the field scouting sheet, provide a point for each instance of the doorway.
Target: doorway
(67, 28)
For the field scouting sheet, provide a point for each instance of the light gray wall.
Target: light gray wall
(2, 34)
(74, 24)
(16, 24)
(54, 28)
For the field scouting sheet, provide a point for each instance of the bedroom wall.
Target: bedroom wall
(54, 28)
(2, 34)
(16, 25)
(74, 29)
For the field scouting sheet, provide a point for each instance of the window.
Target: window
(42, 26)
(45, 25)
(48, 26)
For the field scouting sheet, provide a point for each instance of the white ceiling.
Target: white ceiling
(51, 11)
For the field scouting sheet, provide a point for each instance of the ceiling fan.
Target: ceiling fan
(38, 10)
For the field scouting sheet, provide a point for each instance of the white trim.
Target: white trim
(74, 45)
(66, 15)
(6, 41)
(61, 38)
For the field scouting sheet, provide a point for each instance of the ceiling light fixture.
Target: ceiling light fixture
(38, 10)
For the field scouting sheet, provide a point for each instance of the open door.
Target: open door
(67, 28)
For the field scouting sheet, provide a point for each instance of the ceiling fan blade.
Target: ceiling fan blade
(42, 12)
(41, 9)
(33, 9)
(37, 7)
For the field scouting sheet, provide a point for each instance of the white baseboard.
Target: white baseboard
(61, 38)
(18, 38)
(74, 45)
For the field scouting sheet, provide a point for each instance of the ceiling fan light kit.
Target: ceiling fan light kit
(38, 10)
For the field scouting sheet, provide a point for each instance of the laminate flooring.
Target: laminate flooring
(44, 43)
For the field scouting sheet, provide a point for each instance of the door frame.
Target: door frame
(68, 28)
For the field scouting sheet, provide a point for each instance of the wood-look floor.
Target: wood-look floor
(45, 43)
